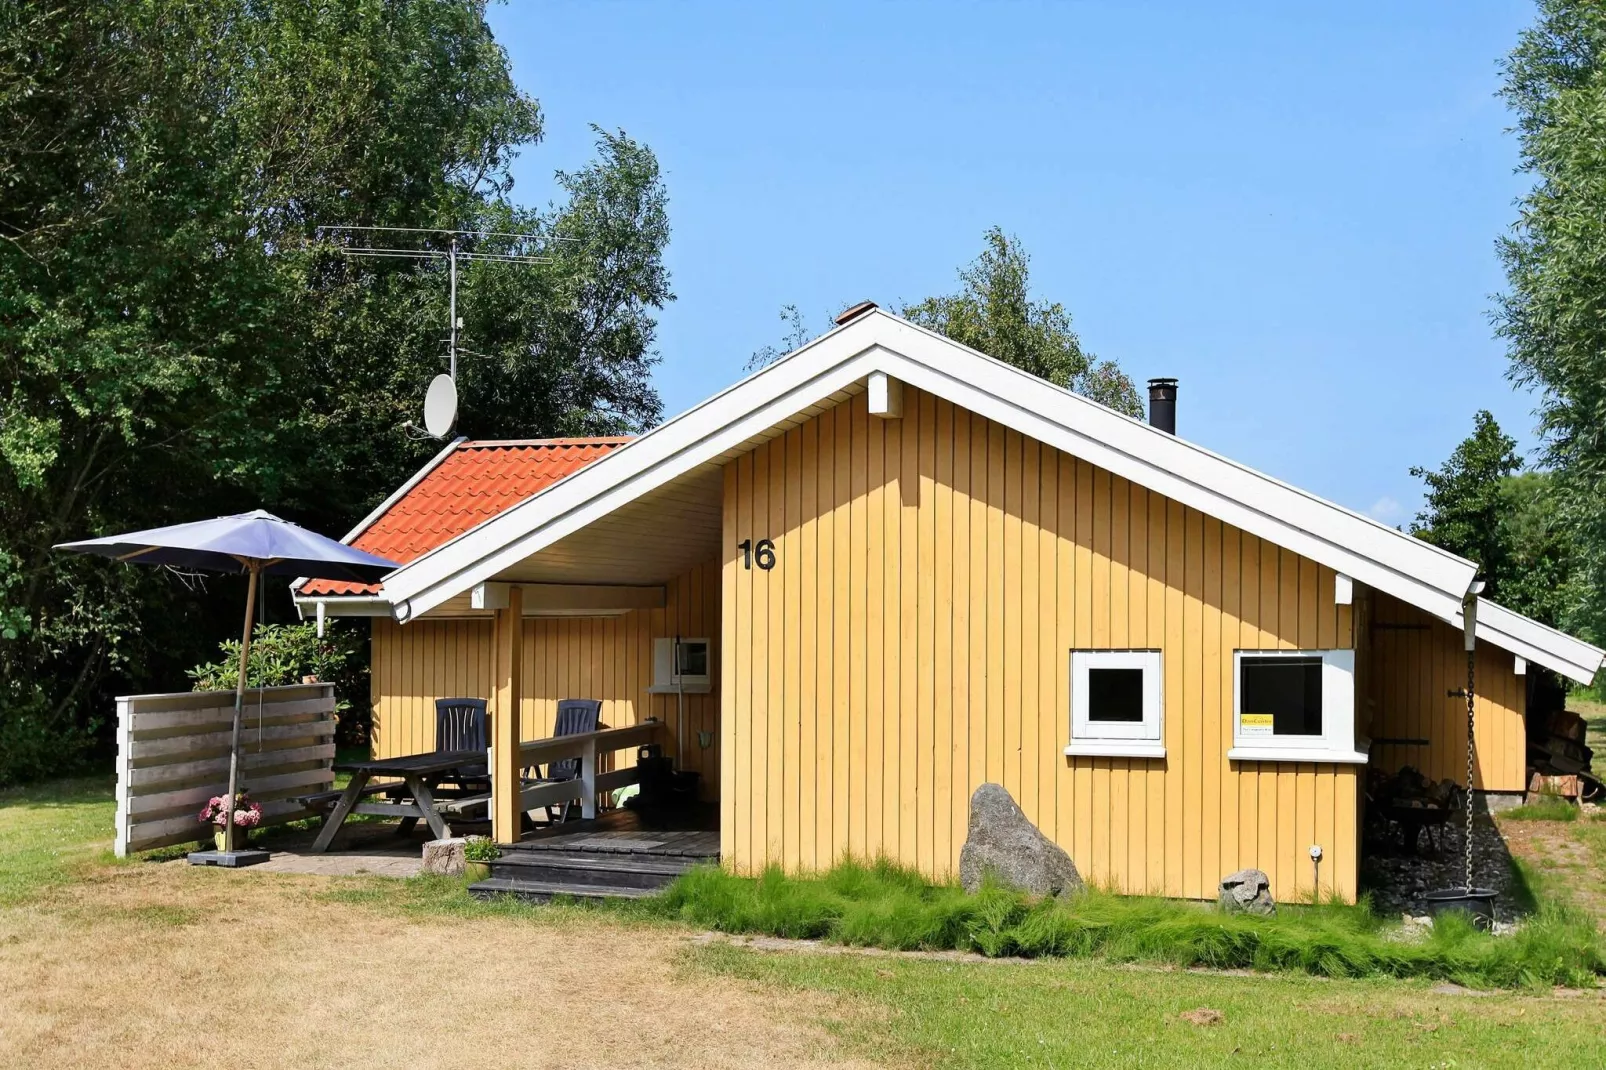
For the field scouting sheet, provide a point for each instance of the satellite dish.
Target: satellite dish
(440, 406)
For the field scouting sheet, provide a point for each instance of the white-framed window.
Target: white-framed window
(1117, 703)
(680, 665)
(1294, 706)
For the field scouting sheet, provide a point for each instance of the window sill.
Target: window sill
(1114, 748)
(1297, 754)
(671, 689)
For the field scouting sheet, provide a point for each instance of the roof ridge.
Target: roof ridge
(504, 443)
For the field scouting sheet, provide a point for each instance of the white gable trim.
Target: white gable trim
(1357, 546)
(1538, 643)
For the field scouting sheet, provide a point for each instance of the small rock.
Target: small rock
(444, 858)
(1247, 892)
(1002, 840)
(1203, 1016)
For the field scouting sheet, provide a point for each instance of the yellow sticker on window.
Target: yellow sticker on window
(1256, 724)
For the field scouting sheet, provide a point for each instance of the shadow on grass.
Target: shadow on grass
(57, 794)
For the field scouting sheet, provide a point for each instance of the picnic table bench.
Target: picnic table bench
(410, 800)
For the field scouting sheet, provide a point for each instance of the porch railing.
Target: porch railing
(584, 789)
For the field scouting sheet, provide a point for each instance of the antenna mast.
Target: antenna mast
(440, 403)
(452, 254)
(451, 338)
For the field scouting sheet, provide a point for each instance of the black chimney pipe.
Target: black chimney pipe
(1163, 405)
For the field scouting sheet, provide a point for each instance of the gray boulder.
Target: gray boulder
(1247, 892)
(444, 857)
(1003, 841)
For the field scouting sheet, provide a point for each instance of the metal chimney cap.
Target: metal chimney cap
(855, 312)
(1163, 405)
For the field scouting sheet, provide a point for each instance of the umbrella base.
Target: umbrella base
(227, 859)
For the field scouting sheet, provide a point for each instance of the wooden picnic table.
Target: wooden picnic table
(418, 772)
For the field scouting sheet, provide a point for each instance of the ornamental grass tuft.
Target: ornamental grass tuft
(1545, 808)
(879, 904)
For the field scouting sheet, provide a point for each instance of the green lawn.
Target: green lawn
(49, 831)
(892, 1009)
(930, 1012)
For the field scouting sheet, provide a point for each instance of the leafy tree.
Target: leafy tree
(1553, 315)
(993, 312)
(1481, 505)
(177, 339)
(1463, 501)
(1539, 580)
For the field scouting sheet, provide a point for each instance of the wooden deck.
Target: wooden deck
(688, 834)
(619, 853)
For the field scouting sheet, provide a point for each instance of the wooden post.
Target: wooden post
(506, 737)
(588, 780)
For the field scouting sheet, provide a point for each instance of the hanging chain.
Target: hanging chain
(1470, 660)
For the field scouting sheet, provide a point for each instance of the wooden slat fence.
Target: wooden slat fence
(173, 755)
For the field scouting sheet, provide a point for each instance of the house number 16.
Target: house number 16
(762, 552)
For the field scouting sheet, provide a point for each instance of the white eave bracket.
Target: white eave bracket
(885, 396)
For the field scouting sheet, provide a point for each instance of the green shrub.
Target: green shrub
(881, 905)
(480, 849)
(285, 653)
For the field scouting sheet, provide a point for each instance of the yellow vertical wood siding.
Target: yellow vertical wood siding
(933, 574)
(1416, 661)
(607, 658)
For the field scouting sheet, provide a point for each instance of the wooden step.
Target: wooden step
(544, 891)
(552, 867)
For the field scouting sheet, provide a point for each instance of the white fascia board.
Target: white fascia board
(395, 496)
(1539, 643)
(1375, 554)
(695, 437)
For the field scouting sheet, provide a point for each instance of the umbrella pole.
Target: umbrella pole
(239, 706)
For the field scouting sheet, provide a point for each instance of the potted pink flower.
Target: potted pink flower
(247, 815)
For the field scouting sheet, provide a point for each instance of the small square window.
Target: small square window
(694, 659)
(1115, 696)
(1116, 703)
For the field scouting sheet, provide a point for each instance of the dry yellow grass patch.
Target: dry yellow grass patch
(165, 966)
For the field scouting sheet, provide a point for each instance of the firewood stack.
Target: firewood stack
(1556, 748)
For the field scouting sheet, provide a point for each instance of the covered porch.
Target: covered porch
(624, 611)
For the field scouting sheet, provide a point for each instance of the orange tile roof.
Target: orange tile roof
(470, 484)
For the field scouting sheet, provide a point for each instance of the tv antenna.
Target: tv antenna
(440, 401)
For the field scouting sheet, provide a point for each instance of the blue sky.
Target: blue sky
(1291, 208)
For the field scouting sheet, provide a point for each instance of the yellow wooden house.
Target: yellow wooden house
(892, 569)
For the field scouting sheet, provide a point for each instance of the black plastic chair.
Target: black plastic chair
(575, 716)
(460, 725)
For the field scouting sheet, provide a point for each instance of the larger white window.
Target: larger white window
(1294, 706)
(1117, 704)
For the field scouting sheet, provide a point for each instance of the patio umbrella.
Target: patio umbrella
(255, 543)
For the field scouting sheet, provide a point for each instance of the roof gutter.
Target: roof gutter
(368, 605)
